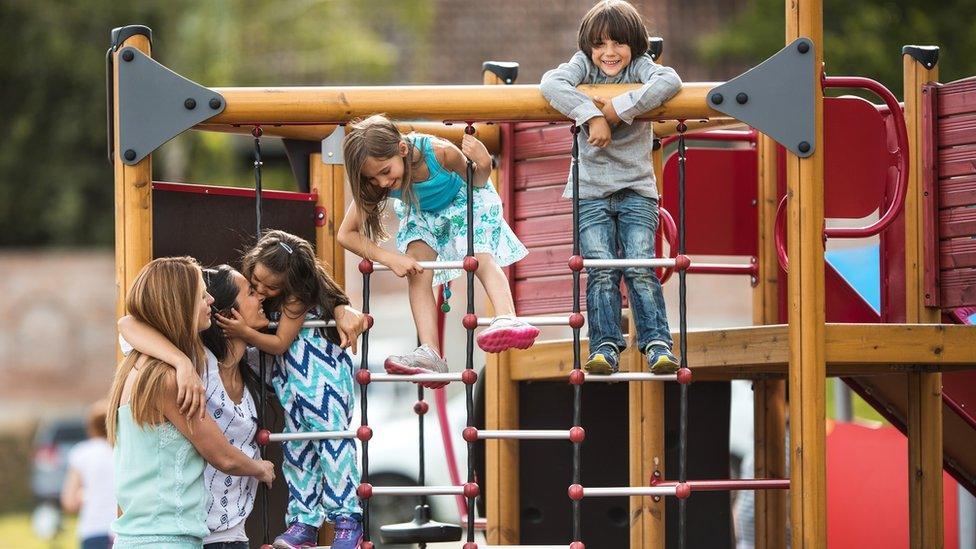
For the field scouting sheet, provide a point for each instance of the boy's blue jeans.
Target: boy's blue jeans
(622, 225)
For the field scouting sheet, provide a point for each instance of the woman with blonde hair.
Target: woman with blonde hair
(159, 451)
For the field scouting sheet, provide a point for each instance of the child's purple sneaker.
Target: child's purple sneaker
(298, 536)
(348, 533)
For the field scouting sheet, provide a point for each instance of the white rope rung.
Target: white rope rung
(417, 490)
(414, 377)
(312, 435)
(309, 324)
(525, 434)
(531, 320)
(630, 491)
(433, 265)
(630, 376)
(655, 263)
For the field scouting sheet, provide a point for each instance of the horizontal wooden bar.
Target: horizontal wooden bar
(325, 105)
(851, 349)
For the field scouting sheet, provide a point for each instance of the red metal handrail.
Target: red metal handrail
(727, 485)
(749, 136)
(901, 183)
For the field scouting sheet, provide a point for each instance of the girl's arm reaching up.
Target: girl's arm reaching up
(276, 343)
(352, 238)
(191, 393)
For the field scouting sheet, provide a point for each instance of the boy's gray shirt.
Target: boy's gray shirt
(626, 162)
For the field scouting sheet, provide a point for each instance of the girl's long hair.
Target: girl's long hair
(379, 138)
(304, 278)
(165, 295)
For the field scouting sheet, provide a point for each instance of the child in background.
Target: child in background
(617, 189)
(426, 176)
(313, 378)
(88, 488)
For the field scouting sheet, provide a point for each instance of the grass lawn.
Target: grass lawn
(15, 531)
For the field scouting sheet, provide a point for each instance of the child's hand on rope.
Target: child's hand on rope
(234, 327)
(191, 393)
(267, 474)
(350, 323)
(403, 265)
(475, 150)
(599, 132)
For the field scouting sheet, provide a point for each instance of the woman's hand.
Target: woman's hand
(475, 150)
(402, 265)
(234, 327)
(267, 474)
(191, 392)
(350, 323)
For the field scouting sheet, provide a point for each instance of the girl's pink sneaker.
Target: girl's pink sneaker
(505, 333)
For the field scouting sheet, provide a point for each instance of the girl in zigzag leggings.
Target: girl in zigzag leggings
(313, 378)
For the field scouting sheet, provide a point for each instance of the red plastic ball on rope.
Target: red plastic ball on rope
(576, 377)
(470, 434)
(574, 129)
(576, 263)
(471, 490)
(681, 127)
(469, 129)
(469, 321)
(575, 492)
(366, 545)
(366, 266)
(684, 376)
(682, 262)
(257, 131)
(470, 263)
(421, 407)
(683, 490)
(364, 490)
(470, 545)
(363, 376)
(263, 437)
(577, 434)
(364, 433)
(576, 545)
(369, 321)
(469, 377)
(576, 321)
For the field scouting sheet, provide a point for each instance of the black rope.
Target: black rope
(262, 368)
(364, 365)
(468, 387)
(683, 335)
(257, 132)
(577, 388)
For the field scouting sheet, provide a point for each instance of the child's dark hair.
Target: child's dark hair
(304, 278)
(617, 20)
(221, 286)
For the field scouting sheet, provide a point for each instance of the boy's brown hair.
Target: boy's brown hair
(617, 20)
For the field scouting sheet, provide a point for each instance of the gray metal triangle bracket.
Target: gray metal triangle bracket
(776, 97)
(156, 105)
(332, 146)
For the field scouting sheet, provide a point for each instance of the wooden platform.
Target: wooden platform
(760, 351)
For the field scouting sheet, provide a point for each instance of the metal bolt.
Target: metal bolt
(804, 147)
(803, 47)
(127, 55)
(190, 104)
(717, 98)
(130, 155)
(214, 103)
(742, 98)
(657, 144)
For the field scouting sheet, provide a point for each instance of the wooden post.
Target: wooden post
(808, 494)
(769, 395)
(328, 182)
(133, 198)
(501, 411)
(924, 389)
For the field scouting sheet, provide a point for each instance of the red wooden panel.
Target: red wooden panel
(955, 222)
(957, 130)
(545, 261)
(541, 172)
(856, 157)
(958, 252)
(957, 161)
(539, 141)
(957, 97)
(958, 288)
(720, 200)
(538, 296)
(541, 202)
(545, 231)
(958, 191)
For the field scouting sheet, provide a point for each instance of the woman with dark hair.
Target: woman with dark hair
(231, 389)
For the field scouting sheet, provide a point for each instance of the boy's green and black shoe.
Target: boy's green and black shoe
(603, 361)
(660, 360)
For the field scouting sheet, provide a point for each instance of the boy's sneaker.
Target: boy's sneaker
(297, 536)
(603, 361)
(422, 360)
(506, 332)
(661, 360)
(348, 533)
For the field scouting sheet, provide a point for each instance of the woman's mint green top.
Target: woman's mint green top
(158, 485)
(437, 191)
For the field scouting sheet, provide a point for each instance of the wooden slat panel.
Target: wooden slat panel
(958, 252)
(957, 97)
(958, 288)
(545, 261)
(545, 231)
(958, 191)
(549, 140)
(957, 130)
(544, 202)
(957, 161)
(547, 295)
(954, 222)
(541, 172)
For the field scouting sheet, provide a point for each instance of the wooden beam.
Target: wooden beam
(924, 423)
(330, 105)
